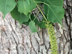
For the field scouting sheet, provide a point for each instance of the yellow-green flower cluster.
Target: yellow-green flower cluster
(52, 38)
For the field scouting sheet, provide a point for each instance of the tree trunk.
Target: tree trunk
(16, 40)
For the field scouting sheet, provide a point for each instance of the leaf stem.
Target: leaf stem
(41, 11)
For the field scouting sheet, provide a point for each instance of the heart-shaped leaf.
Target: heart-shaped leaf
(55, 14)
(7, 6)
(54, 10)
(25, 7)
(19, 16)
(32, 26)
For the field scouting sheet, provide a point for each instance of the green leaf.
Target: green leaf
(19, 16)
(42, 25)
(24, 7)
(54, 10)
(39, 1)
(28, 1)
(26, 23)
(33, 18)
(32, 26)
(7, 6)
(45, 10)
(51, 2)
(54, 2)
(55, 14)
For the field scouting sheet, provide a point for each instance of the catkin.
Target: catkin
(52, 38)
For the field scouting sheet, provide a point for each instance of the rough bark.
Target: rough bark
(16, 40)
